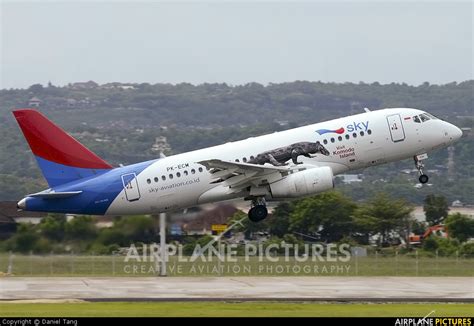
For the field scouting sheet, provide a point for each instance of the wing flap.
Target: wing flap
(239, 179)
(237, 175)
(238, 166)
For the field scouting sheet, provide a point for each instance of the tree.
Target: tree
(81, 228)
(279, 221)
(328, 214)
(135, 228)
(111, 236)
(245, 225)
(417, 227)
(436, 209)
(460, 226)
(382, 215)
(443, 246)
(53, 227)
(36, 88)
(27, 240)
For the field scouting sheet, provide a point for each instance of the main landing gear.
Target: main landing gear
(423, 178)
(258, 211)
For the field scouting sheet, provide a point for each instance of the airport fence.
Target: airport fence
(117, 265)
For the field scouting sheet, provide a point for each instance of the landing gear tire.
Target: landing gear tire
(258, 213)
(423, 178)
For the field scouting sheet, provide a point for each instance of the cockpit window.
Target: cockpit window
(416, 119)
(431, 116)
(424, 117)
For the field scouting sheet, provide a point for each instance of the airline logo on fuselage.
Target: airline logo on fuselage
(355, 126)
(327, 131)
(358, 126)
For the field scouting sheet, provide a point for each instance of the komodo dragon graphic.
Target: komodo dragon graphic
(279, 156)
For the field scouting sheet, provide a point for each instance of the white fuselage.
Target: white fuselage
(366, 139)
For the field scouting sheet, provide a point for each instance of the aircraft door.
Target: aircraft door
(396, 127)
(130, 185)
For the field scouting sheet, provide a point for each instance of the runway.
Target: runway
(390, 289)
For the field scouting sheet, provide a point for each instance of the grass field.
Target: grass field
(73, 265)
(220, 309)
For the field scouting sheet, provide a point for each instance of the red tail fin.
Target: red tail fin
(61, 157)
(51, 143)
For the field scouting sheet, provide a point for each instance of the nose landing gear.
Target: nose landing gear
(258, 210)
(423, 178)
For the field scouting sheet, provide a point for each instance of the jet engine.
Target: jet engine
(303, 183)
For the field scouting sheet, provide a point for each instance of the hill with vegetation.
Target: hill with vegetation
(127, 123)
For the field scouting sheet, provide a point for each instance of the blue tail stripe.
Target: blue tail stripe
(97, 195)
(57, 174)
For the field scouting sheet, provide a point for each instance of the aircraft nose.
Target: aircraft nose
(454, 133)
(21, 204)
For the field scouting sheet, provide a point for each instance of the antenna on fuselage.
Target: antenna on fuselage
(366, 110)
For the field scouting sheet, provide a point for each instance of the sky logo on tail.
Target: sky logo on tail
(326, 131)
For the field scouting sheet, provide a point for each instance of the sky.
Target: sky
(235, 42)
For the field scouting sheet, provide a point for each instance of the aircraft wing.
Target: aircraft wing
(237, 176)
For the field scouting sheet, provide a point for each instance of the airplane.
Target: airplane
(282, 165)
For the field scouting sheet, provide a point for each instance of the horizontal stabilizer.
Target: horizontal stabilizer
(54, 194)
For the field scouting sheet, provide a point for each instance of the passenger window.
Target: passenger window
(332, 140)
(354, 135)
(325, 141)
(369, 132)
(252, 157)
(339, 138)
(244, 159)
(200, 169)
(170, 176)
(178, 174)
(156, 179)
(347, 136)
(362, 133)
(148, 181)
(163, 177)
(185, 172)
(193, 171)
(416, 119)
(237, 160)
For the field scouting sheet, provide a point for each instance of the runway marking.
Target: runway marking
(246, 283)
(323, 289)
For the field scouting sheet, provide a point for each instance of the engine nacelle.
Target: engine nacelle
(303, 183)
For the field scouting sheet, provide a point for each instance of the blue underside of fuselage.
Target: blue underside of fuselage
(98, 192)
